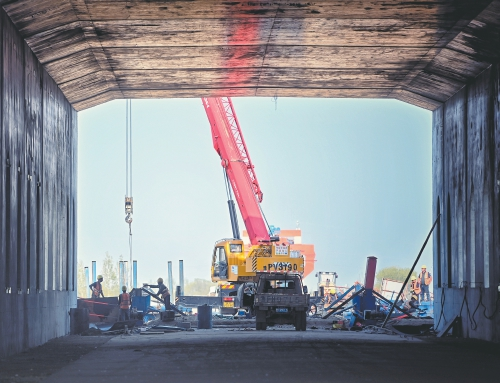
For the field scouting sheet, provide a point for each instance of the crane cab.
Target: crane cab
(228, 261)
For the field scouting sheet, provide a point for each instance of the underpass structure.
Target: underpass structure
(62, 56)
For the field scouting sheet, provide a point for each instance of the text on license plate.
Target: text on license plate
(227, 304)
(281, 309)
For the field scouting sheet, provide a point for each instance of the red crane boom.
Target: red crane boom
(229, 143)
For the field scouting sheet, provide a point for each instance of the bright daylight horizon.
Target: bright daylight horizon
(354, 175)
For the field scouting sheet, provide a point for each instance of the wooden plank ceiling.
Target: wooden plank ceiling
(421, 52)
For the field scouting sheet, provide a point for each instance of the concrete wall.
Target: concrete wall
(38, 139)
(466, 186)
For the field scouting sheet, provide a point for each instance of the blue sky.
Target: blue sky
(355, 174)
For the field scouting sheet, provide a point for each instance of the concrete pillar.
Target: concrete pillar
(170, 282)
(134, 275)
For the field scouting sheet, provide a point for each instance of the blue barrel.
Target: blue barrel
(205, 317)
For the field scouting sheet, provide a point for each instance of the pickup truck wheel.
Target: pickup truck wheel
(298, 322)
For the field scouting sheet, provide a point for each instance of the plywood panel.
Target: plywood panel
(121, 9)
(83, 43)
(62, 41)
(33, 124)
(3, 160)
(13, 125)
(416, 99)
(46, 15)
(208, 32)
(363, 58)
(34, 150)
(435, 87)
(402, 59)
(73, 66)
(268, 77)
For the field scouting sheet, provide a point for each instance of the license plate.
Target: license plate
(227, 304)
(281, 310)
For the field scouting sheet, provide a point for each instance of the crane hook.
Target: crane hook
(129, 209)
(128, 218)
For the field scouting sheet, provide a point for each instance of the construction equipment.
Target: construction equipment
(230, 261)
(325, 293)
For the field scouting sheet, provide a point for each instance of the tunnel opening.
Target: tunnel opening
(303, 56)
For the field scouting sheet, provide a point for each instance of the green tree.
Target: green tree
(82, 288)
(198, 287)
(395, 273)
(109, 272)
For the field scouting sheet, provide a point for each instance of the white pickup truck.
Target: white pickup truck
(281, 299)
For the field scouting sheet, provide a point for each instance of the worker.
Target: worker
(425, 279)
(96, 288)
(124, 302)
(163, 292)
(415, 286)
(330, 297)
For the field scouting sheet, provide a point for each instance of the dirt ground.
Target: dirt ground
(241, 354)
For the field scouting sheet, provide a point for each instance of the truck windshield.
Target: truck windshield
(280, 285)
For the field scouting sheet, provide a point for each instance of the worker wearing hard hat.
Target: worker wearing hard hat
(163, 292)
(124, 302)
(425, 279)
(415, 286)
(96, 287)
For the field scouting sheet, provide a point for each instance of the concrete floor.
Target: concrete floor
(245, 355)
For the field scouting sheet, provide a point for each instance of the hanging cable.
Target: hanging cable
(126, 149)
(130, 134)
(129, 201)
(265, 220)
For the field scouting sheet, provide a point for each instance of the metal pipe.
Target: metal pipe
(87, 282)
(94, 271)
(181, 276)
(134, 278)
(341, 297)
(344, 309)
(344, 303)
(382, 298)
(411, 271)
(126, 274)
(371, 267)
(169, 273)
(120, 274)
